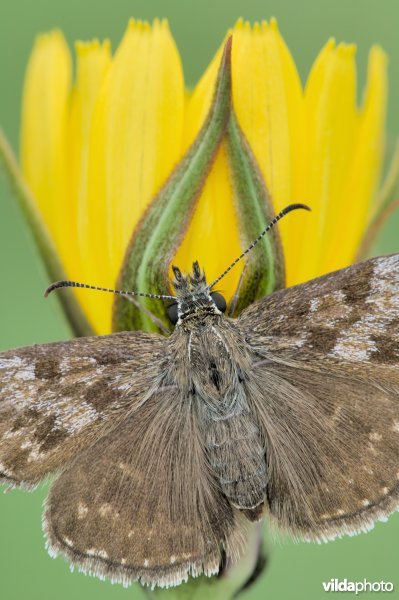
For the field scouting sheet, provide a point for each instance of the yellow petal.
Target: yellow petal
(212, 237)
(198, 101)
(268, 101)
(332, 125)
(93, 60)
(44, 127)
(135, 141)
(366, 167)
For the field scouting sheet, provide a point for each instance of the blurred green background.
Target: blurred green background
(295, 570)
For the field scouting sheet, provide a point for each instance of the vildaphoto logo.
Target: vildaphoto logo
(344, 585)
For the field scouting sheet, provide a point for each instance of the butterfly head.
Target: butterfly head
(194, 297)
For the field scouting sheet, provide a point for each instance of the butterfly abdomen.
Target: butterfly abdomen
(237, 459)
(218, 369)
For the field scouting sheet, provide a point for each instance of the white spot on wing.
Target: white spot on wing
(95, 552)
(10, 363)
(368, 470)
(26, 444)
(325, 516)
(12, 434)
(105, 509)
(69, 414)
(16, 370)
(4, 470)
(354, 347)
(82, 510)
(314, 304)
(35, 455)
(380, 308)
(69, 364)
(395, 426)
(26, 374)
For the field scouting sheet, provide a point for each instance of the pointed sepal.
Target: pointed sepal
(387, 202)
(264, 270)
(163, 225)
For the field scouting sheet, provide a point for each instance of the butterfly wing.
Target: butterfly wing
(325, 388)
(350, 316)
(141, 504)
(56, 399)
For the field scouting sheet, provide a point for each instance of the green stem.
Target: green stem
(234, 578)
(20, 192)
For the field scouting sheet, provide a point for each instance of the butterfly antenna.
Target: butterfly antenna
(272, 223)
(76, 284)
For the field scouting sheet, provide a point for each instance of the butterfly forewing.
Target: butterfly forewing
(325, 386)
(56, 399)
(141, 503)
(350, 316)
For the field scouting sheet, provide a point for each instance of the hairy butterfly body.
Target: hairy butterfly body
(166, 447)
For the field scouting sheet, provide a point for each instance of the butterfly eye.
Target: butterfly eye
(219, 301)
(172, 311)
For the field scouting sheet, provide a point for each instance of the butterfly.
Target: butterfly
(164, 448)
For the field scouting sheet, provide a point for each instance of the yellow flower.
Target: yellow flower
(95, 152)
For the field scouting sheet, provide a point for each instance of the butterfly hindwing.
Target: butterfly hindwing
(56, 399)
(332, 447)
(141, 503)
(325, 387)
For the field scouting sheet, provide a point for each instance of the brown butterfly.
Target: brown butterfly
(166, 446)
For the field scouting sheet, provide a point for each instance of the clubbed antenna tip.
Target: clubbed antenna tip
(272, 223)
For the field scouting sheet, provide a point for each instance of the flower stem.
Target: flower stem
(233, 579)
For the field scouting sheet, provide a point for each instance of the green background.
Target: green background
(295, 570)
